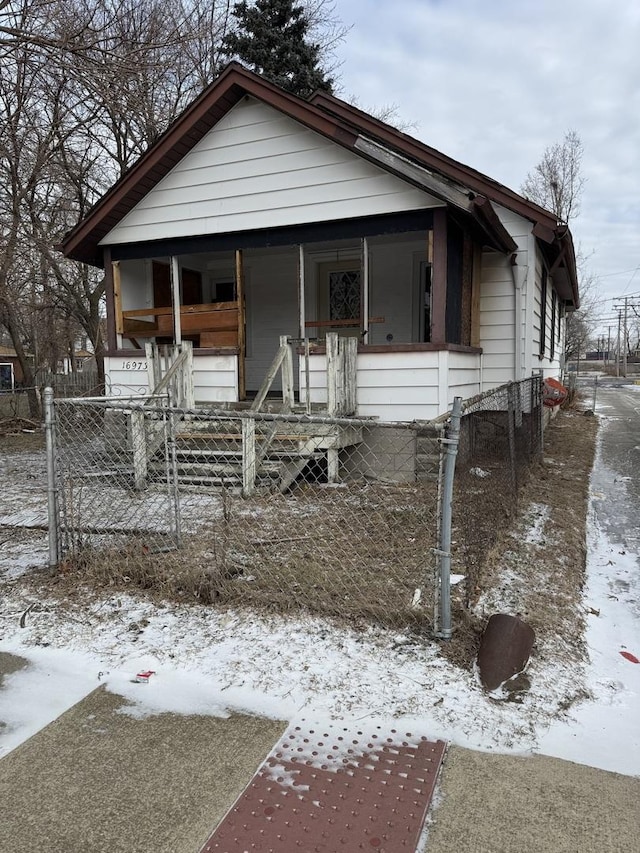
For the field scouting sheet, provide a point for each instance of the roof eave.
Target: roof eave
(465, 175)
(234, 83)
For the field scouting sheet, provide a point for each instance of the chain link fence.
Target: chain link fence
(333, 516)
(501, 436)
(342, 517)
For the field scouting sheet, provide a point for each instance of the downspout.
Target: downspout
(517, 326)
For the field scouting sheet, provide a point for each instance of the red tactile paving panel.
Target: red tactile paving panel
(330, 789)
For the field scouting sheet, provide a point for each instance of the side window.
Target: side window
(543, 313)
(554, 309)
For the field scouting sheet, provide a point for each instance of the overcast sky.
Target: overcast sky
(492, 83)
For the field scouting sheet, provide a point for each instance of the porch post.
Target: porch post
(439, 281)
(303, 330)
(112, 340)
(175, 299)
(301, 295)
(242, 382)
(365, 290)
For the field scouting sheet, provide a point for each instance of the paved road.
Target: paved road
(617, 478)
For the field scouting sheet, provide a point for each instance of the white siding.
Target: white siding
(215, 377)
(497, 330)
(543, 361)
(404, 386)
(125, 376)
(464, 376)
(258, 168)
(501, 332)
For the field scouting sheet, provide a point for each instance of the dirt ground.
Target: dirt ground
(533, 550)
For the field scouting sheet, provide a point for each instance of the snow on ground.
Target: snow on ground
(605, 731)
(208, 661)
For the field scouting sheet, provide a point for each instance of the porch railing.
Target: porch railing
(170, 372)
(216, 323)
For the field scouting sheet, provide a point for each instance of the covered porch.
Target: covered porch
(405, 286)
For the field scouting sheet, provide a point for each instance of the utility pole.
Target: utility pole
(618, 347)
(609, 347)
(623, 331)
(626, 347)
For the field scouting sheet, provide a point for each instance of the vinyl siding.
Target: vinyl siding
(258, 168)
(497, 304)
(499, 328)
(404, 386)
(215, 377)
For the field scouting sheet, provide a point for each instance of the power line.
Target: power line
(621, 272)
(614, 298)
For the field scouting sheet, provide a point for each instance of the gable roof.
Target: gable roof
(464, 189)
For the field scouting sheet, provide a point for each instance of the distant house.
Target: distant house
(259, 215)
(11, 374)
(80, 361)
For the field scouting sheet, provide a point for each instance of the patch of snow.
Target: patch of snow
(538, 514)
(479, 472)
(210, 661)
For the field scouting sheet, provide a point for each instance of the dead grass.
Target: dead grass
(18, 435)
(540, 580)
(354, 553)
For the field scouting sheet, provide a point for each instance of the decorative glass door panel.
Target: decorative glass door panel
(340, 298)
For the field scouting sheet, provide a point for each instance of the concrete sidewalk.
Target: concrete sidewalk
(532, 804)
(100, 781)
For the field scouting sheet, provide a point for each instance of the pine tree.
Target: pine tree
(273, 40)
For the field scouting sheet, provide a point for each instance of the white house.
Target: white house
(259, 215)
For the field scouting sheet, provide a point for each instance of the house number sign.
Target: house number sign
(134, 365)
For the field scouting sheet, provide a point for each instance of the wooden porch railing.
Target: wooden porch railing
(169, 371)
(216, 323)
(341, 353)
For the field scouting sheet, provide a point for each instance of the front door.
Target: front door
(340, 298)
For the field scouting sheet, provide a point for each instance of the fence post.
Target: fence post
(249, 460)
(139, 448)
(540, 399)
(444, 629)
(511, 428)
(171, 467)
(52, 486)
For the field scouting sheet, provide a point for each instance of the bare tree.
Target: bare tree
(86, 86)
(581, 324)
(557, 183)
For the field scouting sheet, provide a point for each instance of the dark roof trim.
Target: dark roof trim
(428, 156)
(565, 276)
(290, 235)
(490, 222)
